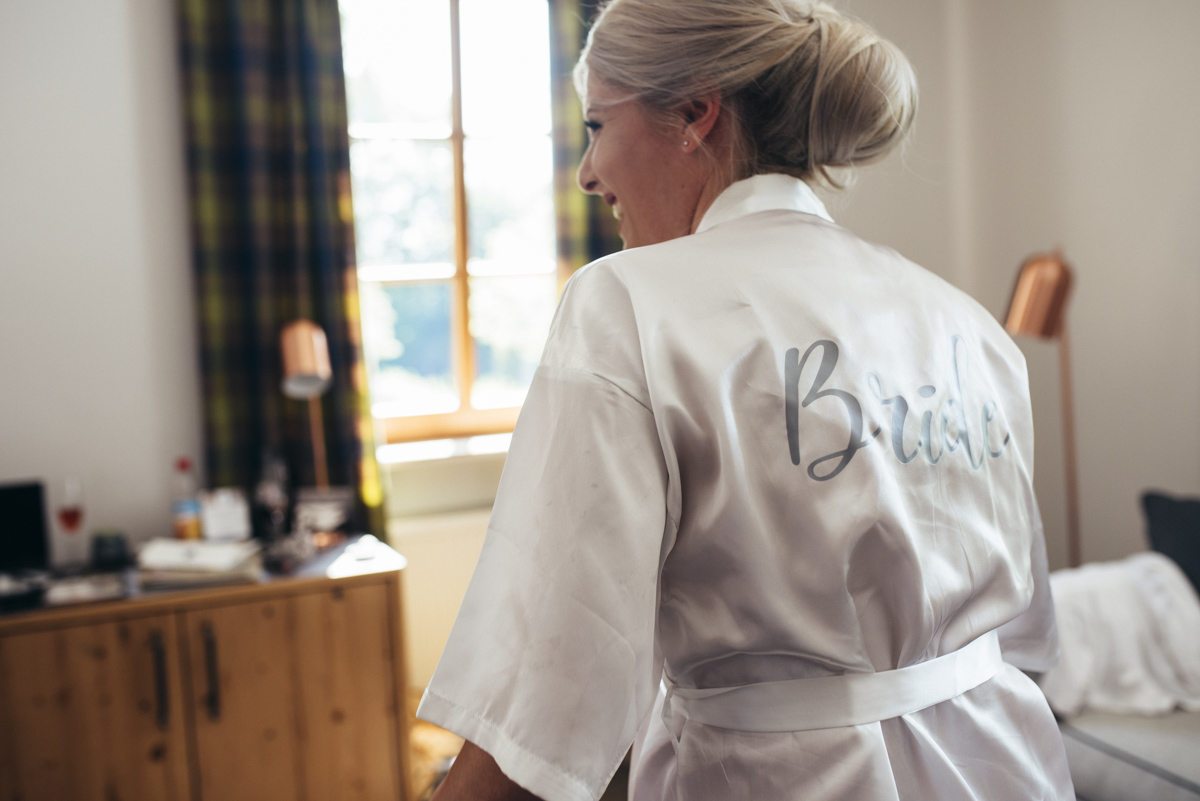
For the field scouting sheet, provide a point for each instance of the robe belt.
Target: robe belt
(826, 702)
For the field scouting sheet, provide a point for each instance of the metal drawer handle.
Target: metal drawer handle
(161, 697)
(212, 699)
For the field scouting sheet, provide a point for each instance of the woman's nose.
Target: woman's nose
(587, 179)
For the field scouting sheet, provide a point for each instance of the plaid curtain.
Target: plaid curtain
(586, 228)
(273, 237)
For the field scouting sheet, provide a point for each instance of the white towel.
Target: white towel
(1130, 638)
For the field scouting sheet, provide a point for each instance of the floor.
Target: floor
(432, 748)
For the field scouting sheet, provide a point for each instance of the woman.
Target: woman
(769, 501)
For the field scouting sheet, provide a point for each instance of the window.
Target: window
(451, 163)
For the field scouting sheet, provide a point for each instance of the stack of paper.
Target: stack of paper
(84, 589)
(169, 564)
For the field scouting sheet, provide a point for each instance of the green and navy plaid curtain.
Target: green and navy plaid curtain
(586, 228)
(273, 235)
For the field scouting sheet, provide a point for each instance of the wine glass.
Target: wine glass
(70, 506)
(68, 514)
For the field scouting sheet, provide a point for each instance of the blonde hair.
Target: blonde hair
(809, 88)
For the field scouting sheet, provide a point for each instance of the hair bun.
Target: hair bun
(840, 97)
(813, 89)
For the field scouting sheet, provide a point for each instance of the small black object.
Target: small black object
(1173, 528)
(110, 552)
(21, 594)
(23, 540)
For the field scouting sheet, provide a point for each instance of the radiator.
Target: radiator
(441, 551)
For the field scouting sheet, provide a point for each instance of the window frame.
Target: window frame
(466, 421)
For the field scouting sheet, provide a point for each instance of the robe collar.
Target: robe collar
(762, 193)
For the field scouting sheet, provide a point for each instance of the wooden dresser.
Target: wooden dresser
(291, 689)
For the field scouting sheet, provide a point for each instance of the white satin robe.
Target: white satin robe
(768, 450)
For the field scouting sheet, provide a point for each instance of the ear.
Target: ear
(699, 118)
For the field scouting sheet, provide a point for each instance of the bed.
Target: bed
(1127, 689)
(1121, 757)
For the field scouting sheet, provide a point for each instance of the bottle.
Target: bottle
(185, 509)
(271, 498)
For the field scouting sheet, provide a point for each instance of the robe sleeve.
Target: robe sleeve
(1030, 640)
(551, 665)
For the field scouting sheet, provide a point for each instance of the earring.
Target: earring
(686, 143)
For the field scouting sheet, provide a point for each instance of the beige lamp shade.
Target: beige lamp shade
(306, 369)
(1040, 297)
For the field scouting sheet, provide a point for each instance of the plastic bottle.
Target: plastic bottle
(271, 498)
(185, 509)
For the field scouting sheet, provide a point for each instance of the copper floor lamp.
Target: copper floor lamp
(1038, 308)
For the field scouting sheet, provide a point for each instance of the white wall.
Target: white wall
(1065, 123)
(97, 352)
(1083, 121)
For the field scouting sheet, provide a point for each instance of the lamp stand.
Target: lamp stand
(1074, 542)
(317, 428)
